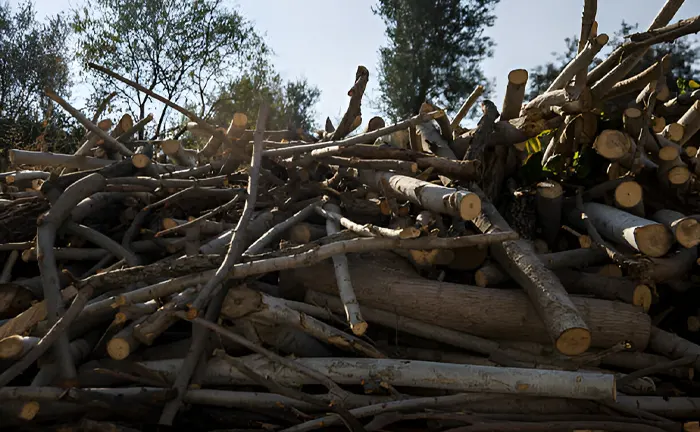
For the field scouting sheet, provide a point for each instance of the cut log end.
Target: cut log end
(140, 160)
(118, 348)
(653, 240)
(642, 297)
(359, 328)
(679, 175)
(169, 223)
(170, 147)
(240, 120)
(469, 206)
(409, 233)
(687, 232)
(628, 194)
(29, 410)
(574, 341)
(691, 151)
(551, 190)
(612, 144)
(632, 112)
(602, 39)
(668, 153)
(658, 124)
(11, 347)
(674, 131)
(517, 76)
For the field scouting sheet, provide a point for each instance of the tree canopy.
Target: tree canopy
(433, 52)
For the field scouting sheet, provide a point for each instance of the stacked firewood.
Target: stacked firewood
(413, 276)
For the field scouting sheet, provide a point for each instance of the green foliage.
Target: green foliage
(32, 58)
(181, 49)
(433, 53)
(291, 102)
(685, 85)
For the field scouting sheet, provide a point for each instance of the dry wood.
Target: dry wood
(606, 287)
(515, 93)
(121, 345)
(466, 106)
(549, 201)
(580, 63)
(562, 320)
(14, 347)
(690, 122)
(279, 229)
(440, 199)
(376, 164)
(489, 313)
(686, 230)
(26, 157)
(178, 154)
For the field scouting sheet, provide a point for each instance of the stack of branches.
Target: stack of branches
(407, 274)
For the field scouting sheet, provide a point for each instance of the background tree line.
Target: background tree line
(209, 58)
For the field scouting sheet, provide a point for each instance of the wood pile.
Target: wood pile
(411, 276)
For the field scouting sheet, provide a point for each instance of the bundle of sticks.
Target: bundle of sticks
(403, 276)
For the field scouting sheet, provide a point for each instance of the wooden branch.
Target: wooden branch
(562, 319)
(589, 28)
(549, 203)
(237, 245)
(342, 274)
(279, 229)
(54, 334)
(673, 346)
(201, 123)
(647, 237)
(515, 93)
(492, 312)
(125, 137)
(440, 199)
(357, 139)
(606, 287)
(580, 63)
(109, 141)
(690, 122)
(6, 274)
(466, 106)
(103, 241)
(221, 209)
(26, 157)
(16, 346)
(686, 230)
(152, 326)
(178, 154)
(358, 89)
(642, 79)
(368, 230)
(376, 164)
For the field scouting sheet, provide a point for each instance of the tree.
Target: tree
(181, 49)
(291, 102)
(433, 52)
(684, 60)
(31, 58)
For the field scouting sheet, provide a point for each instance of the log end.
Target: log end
(687, 232)
(481, 279)
(169, 223)
(170, 147)
(29, 410)
(628, 194)
(658, 124)
(612, 144)
(574, 341)
(679, 175)
(140, 160)
(642, 297)
(240, 120)
(691, 151)
(118, 348)
(549, 189)
(11, 347)
(359, 328)
(653, 240)
(602, 39)
(409, 233)
(674, 131)
(469, 205)
(669, 153)
(517, 76)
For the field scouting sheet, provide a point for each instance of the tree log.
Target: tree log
(549, 202)
(466, 106)
(435, 198)
(645, 236)
(581, 62)
(686, 230)
(515, 93)
(490, 313)
(606, 287)
(562, 319)
(690, 122)
(178, 154)
(32, 158)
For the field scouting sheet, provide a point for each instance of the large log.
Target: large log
(562, 320)
(489, 313)
(440, 199)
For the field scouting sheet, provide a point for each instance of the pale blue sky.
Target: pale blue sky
(325, 40)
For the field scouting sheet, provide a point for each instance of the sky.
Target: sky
(325, 40)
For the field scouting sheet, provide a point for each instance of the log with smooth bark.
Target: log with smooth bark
(673, 346)
(15, 346)
(562, 319)
(462, 203)
(549, 202)
(489, 313)
(342, 275)
(486, 379)
(347, 123)
(606, 287)
(33, 158)
(515, 93)
(686, 229)
(178, 154)
(372, 164)
(367, 230)
(466, 106)
(690, 122)
(650, 238)
(275, 232)
(581, 62)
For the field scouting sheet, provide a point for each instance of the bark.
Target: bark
(686, 230)
(642, 79)
(367, 230)
(486, 379)
(6, 275)
(147, 330)
(439, 199)
(549, 202)
(645, 236)
(305, 232)
(206, 227)
(673, 346)
(489, 313)
(606, 287)
(466, 106)
(581, 62)
(49, 223)
(194, 222)
(32, 158)
(243, 302)
(275, 232)
(562, 319)
(673, 266)
(26, 320)
(377, 164)
(408, 325)
(357, 139)
(690, 122)
(638, 360)
(347, 123)
(515, 93)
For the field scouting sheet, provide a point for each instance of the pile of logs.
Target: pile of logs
(406, 277)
